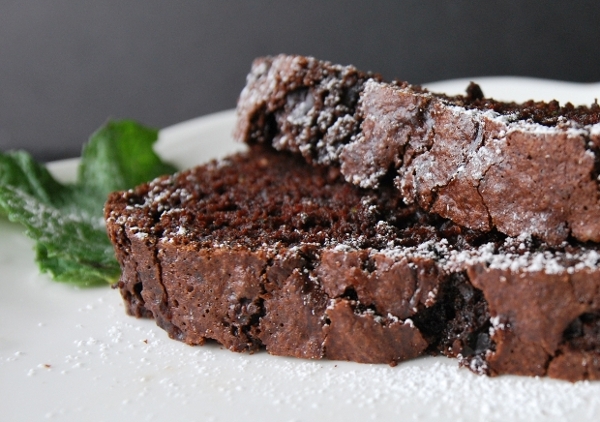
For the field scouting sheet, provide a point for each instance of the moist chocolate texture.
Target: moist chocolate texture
(263, 250)
(530, 168)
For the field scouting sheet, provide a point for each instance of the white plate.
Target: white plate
(72, 354)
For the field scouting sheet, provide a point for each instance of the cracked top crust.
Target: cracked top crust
(527, 168)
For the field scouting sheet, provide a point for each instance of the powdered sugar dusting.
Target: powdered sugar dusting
(513, 256)
(516, 254)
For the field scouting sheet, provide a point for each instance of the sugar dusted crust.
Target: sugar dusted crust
(528, 168)
(264, 250)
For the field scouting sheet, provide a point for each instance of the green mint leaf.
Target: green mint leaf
(120, 156)
(65, 269)
(66, 221)
(19, 171)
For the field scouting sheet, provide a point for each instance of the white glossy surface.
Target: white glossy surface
(69, 354)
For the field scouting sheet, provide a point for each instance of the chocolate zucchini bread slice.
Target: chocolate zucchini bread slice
(264, 250)
(530, 168)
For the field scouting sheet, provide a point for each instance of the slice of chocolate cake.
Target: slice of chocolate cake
(529, 168)
(264, 250)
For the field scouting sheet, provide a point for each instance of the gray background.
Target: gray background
(68, 65)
